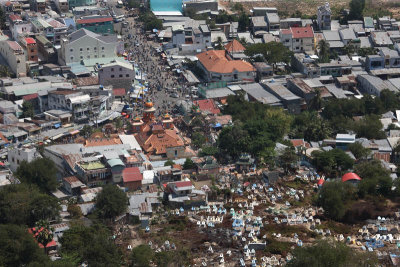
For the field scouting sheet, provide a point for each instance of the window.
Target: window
(81, 49)
(88, 48)
(81, 57)
(176, 152)
(112, 76)
(102, 48)
(120, 75)
(127, 75)
(71, 50)
(72, 58)
(95, 48)
(102, 56)
(32, 50)
(120, 69)
(95, 56)
(112, 69)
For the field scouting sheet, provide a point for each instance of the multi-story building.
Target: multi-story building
(46, 49)
(38, 6)
(17, 155)
(299, 39)
(93, 172)
(324, 14)
(19, 27)
(59, 30)
(13, 53)
(62, 5)
(31, 49)
(118, 74)
(98, 24)
(84, 44)
(74, 101)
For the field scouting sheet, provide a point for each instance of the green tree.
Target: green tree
(27, 110)
(169, 162)
(330, 254)
(86, 131)
(198, 139)
(2, 19)
(315, 102)
(18, 247)
(111, 202)
(25, 205)
(141, 256)
(333, 198)
(41, 172)
(75, 211)
(208, 151)
(323, 52)
(219, 45)
(376, 179)
(273, 52)
(189, 164)
(369, 127)
(234, 140)
(4, 70)
(287, 158)
(244, 21)
(91, 244)
(333, 162)
(359, 151)
(356, 9)
(310, 126)
(119, 123)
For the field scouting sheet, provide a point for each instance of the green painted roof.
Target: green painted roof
(115, 162)
(92, 165)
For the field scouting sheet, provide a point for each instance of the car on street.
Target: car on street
(174, 95)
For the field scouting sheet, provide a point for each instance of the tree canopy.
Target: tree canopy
(333, 198)
(111, 202)
(333, 162)
(273, 52)
(91, 244)
(40, 172)
(25, 205)
(18, 247)
(376, 179)
(189, 164)
(27, 109)
(141, 256)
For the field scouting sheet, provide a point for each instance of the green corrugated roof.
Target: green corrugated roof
(115, 162)
(27, 91)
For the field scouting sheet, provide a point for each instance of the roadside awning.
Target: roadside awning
(57, 125)
(57, 136)
(74, 132)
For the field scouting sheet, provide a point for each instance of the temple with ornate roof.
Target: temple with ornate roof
(158, 136)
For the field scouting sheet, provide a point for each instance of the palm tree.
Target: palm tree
(316, 101)
(323, 54)
(5, 71)
(219, 45)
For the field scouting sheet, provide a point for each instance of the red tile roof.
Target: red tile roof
(183, 184)
(52, 242)
(30, 40)
(234, 46)
(94, 20)
(132, 174)
(102, 142)
(30, 97)
(14, 17)
(216, 61)
(119, 91)
(207, 105)
(302, 32)
(286, 31)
